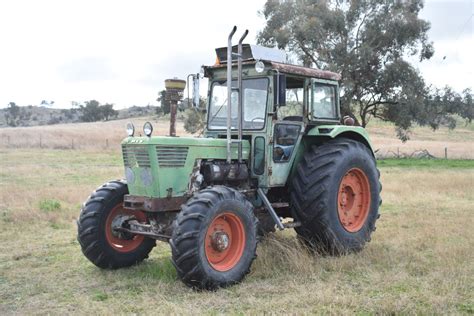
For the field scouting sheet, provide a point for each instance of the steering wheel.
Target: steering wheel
(252, 122)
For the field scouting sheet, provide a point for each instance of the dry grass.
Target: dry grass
(82, 136)
(460, 141)
(419, 261)
(108, 135)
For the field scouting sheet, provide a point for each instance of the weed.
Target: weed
(49, 205)
(99, 296)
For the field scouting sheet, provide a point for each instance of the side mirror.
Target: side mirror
(279, 82)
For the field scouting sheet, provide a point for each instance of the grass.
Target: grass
(418, 262)
(427, 163)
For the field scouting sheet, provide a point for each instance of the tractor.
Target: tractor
(275, 154)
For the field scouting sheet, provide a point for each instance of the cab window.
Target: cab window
(324, 101)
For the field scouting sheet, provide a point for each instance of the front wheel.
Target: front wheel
(336, 196)
(214, 240)
(100, 243)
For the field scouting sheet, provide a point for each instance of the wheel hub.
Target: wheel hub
(353, 200)
(119, 222)
(118, 218)
(225, 241)
(220, 241)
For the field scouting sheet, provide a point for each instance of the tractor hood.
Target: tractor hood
(162, 166)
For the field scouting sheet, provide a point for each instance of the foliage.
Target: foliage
(93, 111)
(108, 111)
(49, 205)
(195, 118)
(15, 115)
(164, 107)
(368, 42)
(12, 114)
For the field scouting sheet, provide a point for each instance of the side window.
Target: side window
(324, 101)
(259, 155)
(295, 99)
(285, 137)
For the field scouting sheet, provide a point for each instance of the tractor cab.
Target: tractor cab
(270, 104)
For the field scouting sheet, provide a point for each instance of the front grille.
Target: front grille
(171, 157)
(136, 156)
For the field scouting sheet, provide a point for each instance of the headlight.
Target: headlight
(130, 129)
(147, 129)
(259, 66)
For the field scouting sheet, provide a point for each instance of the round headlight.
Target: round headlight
(130, 129)
(147, 129)
(259, 66)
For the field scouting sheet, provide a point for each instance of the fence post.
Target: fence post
(398, 152)
(445, 152)
(106, 143)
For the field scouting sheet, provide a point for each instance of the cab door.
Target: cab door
(286, 137)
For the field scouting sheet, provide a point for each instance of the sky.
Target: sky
(121, 52)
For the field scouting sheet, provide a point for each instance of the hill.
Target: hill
(33, 115)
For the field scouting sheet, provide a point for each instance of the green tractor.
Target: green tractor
(275, 154)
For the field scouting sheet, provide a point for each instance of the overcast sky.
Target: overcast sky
(122, 51)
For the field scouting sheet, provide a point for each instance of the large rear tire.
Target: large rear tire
(214, 239)
(336, 196)
(99, 242)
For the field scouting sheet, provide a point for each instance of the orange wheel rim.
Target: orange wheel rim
(353, 200)
(225, 241)
(121, 244)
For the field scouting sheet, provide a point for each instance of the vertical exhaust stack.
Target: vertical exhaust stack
(239, 83)
(229, 93)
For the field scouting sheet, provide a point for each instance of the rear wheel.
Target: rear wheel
(100, 242)
(336, 196)
(214, 240)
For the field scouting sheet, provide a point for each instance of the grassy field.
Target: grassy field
(419, 260)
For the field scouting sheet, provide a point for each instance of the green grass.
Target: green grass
(427, 163)
(49, 205)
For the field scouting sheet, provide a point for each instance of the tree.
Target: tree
(108, 111)
(12, 114)
(92, 111)
(194, 118)
(164, 104)
(367, 42)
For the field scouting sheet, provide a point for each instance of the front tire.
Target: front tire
(215, 238)
(99, 243)
(336, 196)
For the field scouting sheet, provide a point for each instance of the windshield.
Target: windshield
(254, 100)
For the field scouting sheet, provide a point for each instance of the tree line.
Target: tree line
(89, 111)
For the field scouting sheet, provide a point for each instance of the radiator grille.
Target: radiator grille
(136, 155)
(171, 157)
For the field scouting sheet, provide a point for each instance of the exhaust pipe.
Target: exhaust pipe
(239, 83)
(239, 95)
(229, 92)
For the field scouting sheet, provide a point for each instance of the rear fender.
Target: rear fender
(323, 133)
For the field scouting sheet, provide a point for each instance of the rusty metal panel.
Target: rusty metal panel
(304, 71)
